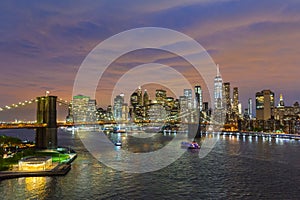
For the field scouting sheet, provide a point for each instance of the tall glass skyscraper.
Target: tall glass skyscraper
(198, 97)
(218, 84)
(118, 104)
(226, 97)
(139, 96)
(92, 111)
(80, 108)
(250, 108)
(264, 104)
(189, 96)
(160, 96)
(235, 107)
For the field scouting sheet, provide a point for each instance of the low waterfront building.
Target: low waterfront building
(35, 163)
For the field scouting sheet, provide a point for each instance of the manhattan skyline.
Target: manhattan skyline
(44, 43)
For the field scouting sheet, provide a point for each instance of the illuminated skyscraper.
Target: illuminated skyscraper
(188, 94)
(198, 97)
(80, 106)
(218, 90)
(183, 108)
(134, 100)
(157, 113)
(146, 98)
(170, 102)
(235, 107)
(92, 111)
(250, 108)
(240, 109)
(109, 112)
(118, 106)
(125, 111)
(140, 104)
(226, 97)
(264, 104)
(183, 103)
(281, 102)
(139, 96)
(160, 96)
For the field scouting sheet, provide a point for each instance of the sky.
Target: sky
(43, 43)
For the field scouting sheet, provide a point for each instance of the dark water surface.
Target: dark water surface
(236, 168)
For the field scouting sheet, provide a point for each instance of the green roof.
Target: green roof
(80, 97)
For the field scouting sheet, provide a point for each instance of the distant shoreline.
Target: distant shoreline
(262, 134)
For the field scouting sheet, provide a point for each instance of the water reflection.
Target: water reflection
(237, 167)
(139, 144)
(259, 148)
(35, 183)
(27, 188)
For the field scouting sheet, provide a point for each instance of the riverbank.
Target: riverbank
(262, 134)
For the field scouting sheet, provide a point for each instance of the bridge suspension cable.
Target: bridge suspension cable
(17, 105)
(60, 101)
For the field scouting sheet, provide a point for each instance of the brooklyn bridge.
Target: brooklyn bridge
(44, 122)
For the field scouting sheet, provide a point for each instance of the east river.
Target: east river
(236, 168)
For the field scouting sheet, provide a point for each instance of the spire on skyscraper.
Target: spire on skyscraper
(281, 102)
(218, 70)
(218, 84)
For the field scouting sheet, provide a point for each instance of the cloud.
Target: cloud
(253, 46)
(163, 5)
(42, 44)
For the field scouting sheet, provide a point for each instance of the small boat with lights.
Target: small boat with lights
(118, 143)
(190, 145)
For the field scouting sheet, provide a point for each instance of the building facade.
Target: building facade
(226, 97)
(235, 104)
(118, 107)
(79, 108)
(264, 104)
(198, 97)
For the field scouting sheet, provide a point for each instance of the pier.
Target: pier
(59, 170)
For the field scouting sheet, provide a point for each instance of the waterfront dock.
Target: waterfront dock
(54, 169)
(59, 170)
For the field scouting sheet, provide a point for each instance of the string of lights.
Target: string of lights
(60, 102)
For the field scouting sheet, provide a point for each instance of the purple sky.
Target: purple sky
(43, 43)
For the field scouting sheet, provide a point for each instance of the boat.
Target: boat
(190, 145)
(119, 130)
(119, 143)
(108, 129)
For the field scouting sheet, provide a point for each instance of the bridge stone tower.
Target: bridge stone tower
(46, 137)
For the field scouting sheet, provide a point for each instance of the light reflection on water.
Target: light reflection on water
(238, 167)
(27, 188)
